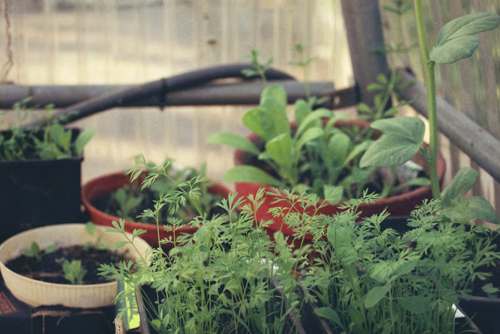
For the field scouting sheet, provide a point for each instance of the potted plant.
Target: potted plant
(57, 264)
(370, 279)
(40, 173)
(222, 278)
(455, 41)
(319, 153)
(116, 196)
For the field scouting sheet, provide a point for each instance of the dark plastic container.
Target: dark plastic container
(38, 192)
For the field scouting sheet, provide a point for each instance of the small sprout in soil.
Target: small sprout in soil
(73, 271)
(37, 253)
(90, 229)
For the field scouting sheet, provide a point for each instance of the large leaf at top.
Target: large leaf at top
(273, 117)
(456, 49)
(251, 119)
(467, 25)
(456, 41)
(233, 140)
(280, 150)
(250, 174)
(275, 92)
(402, 139)
(459, 186)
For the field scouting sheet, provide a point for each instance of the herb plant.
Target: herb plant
(74, 271)
(51, 141)
(37, 253)
(221, 279)
(403, 136)
(313, 155)
(370, 279)
(129, 201)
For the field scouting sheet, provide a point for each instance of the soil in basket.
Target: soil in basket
(49, 267)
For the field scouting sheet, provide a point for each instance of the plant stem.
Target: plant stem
(430, 84)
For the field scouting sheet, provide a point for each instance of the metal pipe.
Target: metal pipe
(238, 93)
(475, 141)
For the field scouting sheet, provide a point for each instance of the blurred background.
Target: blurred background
(67, 42)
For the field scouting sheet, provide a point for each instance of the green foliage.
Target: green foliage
(314, 155)
(163, 181)
(74, 271)
(370, 279)
(51, 141)
(223, 278)
(455, 40)
(402, 140)
(37, 253)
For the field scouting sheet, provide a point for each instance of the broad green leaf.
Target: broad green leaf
(339, 148)
(60, 135)
(340, 239)
(415, 304)
(454, 50)
(389, 151)
(274, 92)
(251, 119)
(333, 194)
(375, 295)
(412, 128)
(82, 140)
(329, 314)
(459, 186)
(401, 141)
(480, 208)
(233, 140)
(302, 110)
(455, 40)
(250, 174)
(311, 118)
(280, 150)
(467, 25)
(274, 120)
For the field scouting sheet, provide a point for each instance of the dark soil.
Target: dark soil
(105, 204)
(49, 267)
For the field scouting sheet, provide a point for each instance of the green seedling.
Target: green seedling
(91, 230)
(51, 141)
(37, 253)
(73, 271)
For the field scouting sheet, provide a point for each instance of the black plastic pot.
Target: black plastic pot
(37, 192)
(292, 325)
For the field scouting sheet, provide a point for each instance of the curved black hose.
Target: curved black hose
(161, 87)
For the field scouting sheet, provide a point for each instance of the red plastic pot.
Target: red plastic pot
(109, 183)
(398, 205)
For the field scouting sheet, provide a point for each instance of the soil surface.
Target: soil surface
(49, 268)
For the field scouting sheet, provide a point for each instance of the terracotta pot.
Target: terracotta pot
(398, 205)
(37, 293)
(109, 183)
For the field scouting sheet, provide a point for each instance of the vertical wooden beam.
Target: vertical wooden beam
(364, 32)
